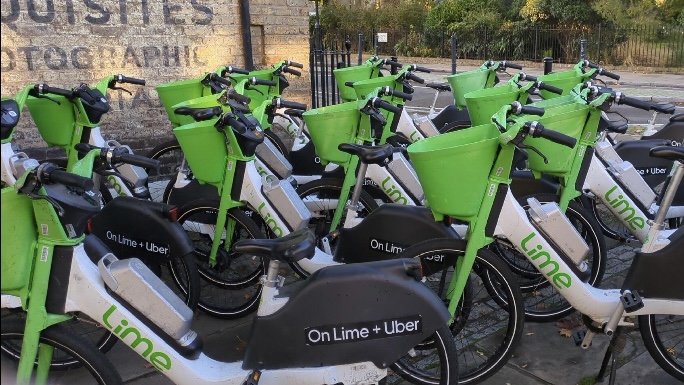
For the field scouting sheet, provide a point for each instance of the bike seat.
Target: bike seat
(291, 248)
(199, 114)
(668, 152)
(293, 112)
(677, 117)
(439, 86)
(368, 154)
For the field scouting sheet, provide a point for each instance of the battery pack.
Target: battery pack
(632, 179)
(135, 283)
(606, 152)
(273, 159)
(286, 201)
(403, 172)
(425, 125)
(557, 229)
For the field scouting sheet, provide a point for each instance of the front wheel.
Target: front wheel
(67, 347)
(229, 288)
(663, 336)
(486, 329)
(432, 363)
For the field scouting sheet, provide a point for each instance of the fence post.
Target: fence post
(548, 65)
(360, 48)
(453, 54)
(598, 47)
(347, 45)
(375, 39)
(583, 49)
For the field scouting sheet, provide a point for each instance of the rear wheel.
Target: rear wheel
(92, 367)
(171, 159)
(663, 336)
(434, 362)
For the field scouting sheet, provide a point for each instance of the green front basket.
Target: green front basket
(173, 93)
(454, 168)
(484, 103)
(19, 238)
(352, 74)
(201, 102)
(469, 81)
(331, 126)
(204, 149)
(55, 121)
(565, 80)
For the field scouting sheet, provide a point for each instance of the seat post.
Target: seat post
(669, 194)
(360, 179)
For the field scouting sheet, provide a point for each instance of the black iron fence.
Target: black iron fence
(661, 47)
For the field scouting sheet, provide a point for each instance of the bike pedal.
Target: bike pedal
(631, 301)
(253, 378)
(578, 336)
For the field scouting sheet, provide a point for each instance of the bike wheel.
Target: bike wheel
(181, 275)
(487, 332)
(543, 302)
(320, 197)
(80, 325)
(67, 347)
(663, 336)
(273, 136)
(610, 225)
(230, 288)
(171, 158)
(432, 363)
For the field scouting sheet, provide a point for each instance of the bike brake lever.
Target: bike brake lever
(528, 147)
(122, 89)
(42, 96)
(54, 203)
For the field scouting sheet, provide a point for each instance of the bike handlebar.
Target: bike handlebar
(415, 78)
(543, 86)
(233, 70)
(632, 102)
(518, 108)
(398, 94)
(124, 79)
(379, 103)
(392, 63)
(421, 69)
(291, 71)
(50, 173)
(141, 161)
(216, 78)
(611, 75)
(43, 88)
(230, 120)
(261, 82)
(539, 131)
(507, 64)
(294, 64)
(234, 95)
(278, 102)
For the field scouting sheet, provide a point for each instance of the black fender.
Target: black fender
(451, 115)
(388, 230)
(357, 311)
(132, 227)
(305, 161)
(672, 131)
(658, 274)
(653, 170)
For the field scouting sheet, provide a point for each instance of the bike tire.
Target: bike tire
(487, 341)
(659, 333)
(422, 367)
(159, 182)
(273, 136)
(89, 358)
(83, 326)
(543, 302)
(230, 289)
(321, 218)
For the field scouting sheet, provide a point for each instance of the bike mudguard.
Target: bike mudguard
(672, 131)
(348, 313)
(451, 115)
(659, 274)
(305, 161)
(653, 170)
(192, 191)
(524, 184)
(139, 228)
(388, 230)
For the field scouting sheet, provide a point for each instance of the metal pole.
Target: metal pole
(375, 35)
(453, 53)
(548, 65)
(347, 45)
(393, 69)
(360, 48)
(583, 49)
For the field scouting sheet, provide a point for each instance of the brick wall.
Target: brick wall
(66, 42)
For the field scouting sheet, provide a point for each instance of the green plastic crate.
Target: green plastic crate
(469, 81)
(204, 149)
(331, 126)
(484, 103)
(565, 80)
(173, 93)
(55, 121)
(352, 74)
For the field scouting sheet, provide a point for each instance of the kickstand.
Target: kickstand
(615, 348)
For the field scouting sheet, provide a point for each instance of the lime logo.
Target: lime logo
(115, 185)
(393, 192)
(261, 171)
(560, 280)
(628, 213)
(270, 222)
(160, 360)
(415, 136)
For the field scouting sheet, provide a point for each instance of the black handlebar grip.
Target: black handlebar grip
(239, 97)
(386, 106)
(531, 110)
(554, 136)
(668, 108)
(294, 64)
(292, 72)
(550, 88)
(508, 64)
(399, 94)
(230, 120)
(609, 74)
(415, 78)
(421, 69)
(142, 161)
(45, 89)
(634, 102)
(124, 79)
(83, 148)
(293, 105)
(216, 78)
(527, 77)
(392, 63)
(66, 178)
(233, 70)
(262, 82)
(590, 64)
(349, 84)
